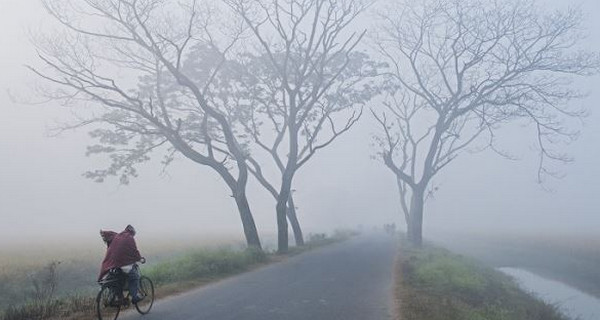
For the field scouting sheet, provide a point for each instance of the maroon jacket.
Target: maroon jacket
(121, 251)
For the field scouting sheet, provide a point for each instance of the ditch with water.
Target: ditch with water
(572, 302)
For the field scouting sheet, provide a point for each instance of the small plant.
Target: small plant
(45, 282)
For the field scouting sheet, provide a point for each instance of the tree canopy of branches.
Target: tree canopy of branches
(459, 70)
(308, 85)
(126, 60)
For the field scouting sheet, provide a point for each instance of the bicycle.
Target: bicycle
(111, 299)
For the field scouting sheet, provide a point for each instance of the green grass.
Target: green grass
(435, 284)
(204, 264)
(571, 259)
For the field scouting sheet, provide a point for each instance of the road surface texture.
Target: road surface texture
(351, 280)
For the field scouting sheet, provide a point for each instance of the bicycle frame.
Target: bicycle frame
(114, 285)
(117, 281)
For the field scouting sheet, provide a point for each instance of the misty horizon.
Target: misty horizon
(43, 194)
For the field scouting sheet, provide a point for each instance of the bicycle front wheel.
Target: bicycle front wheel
(146, 291)
(108, 304)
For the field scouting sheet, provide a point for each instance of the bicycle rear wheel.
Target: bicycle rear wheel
(147, 291)
(108, 304)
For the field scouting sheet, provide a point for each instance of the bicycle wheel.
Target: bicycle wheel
(147, 291)
(107, 304)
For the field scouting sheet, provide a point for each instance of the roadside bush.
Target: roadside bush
(205, 264)
(345, 233)
(315, 237)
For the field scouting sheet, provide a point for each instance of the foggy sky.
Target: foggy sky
(43, 193)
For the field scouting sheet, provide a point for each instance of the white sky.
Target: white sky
(42, 192)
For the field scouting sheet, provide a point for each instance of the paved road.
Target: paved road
(351, 280)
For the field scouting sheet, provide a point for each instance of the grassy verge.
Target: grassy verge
(189, 270)
(435, 284)
(571, 259)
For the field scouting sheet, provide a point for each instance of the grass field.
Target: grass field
(435, 284)
(574, 260)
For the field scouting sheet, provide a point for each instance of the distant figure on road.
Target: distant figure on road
(122, 253)
(390, 228)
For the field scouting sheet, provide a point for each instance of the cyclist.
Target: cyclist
(122, 253)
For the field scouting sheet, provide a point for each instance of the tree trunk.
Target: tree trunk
(415, 228)
(409, 233)
(250, 231)
(282, 227)
(293, 219)
(237, 187)
(402, 190)
(281, 209)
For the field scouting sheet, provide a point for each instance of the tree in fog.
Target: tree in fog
(459, 71)
(237, 89)
(122, 63)
(308, 86)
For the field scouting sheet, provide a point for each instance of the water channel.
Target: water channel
(572, 302)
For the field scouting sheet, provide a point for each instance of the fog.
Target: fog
(43, 194)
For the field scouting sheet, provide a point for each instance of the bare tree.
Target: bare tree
(459, 71)
(125, 60)
(307, 75)
(235, 84)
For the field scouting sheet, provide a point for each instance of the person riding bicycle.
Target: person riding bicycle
(122, 253)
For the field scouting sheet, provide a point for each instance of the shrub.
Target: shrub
(201, 264)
